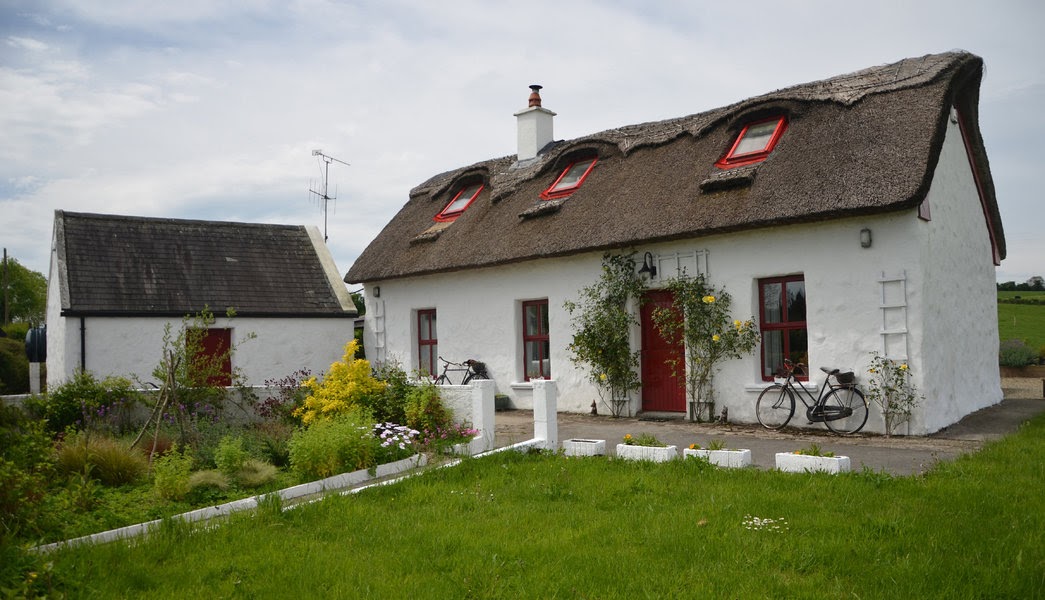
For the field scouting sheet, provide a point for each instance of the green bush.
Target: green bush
(391, 405)
(26, 462)
(14, 367)
(255, 473)
(171, 474)
(230, 455)
(331, 446)
(84, 402)
(110, 462)
(425, 410)
(1016, 353)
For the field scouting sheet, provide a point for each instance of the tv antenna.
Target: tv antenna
(325, 197)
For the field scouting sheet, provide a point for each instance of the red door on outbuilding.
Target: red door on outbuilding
(661, 390)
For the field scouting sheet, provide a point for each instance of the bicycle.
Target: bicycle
(841, 406)
(471, 368)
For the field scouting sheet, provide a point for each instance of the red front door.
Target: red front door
(661, 390)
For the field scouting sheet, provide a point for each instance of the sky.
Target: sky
(212, 109)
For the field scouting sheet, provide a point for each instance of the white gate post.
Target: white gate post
(483, 415)
(545, 412)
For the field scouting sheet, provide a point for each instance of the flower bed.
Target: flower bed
(651, 453)
(577, 447)
(721, 458)
(801, 463)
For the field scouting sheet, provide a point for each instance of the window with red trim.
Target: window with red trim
(464, 197)
(570, 179)
(755, 142)
(427, 342)
(536, 345)
(782, 315)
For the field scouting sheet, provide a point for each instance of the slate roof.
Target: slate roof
(122, 266)
(861, 143)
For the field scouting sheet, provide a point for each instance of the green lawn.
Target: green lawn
(1022, 321)
(539, 526)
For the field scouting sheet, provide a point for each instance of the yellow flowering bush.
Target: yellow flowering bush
(348, 384)
(891, 388)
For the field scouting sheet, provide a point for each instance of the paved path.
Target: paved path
(896, 455)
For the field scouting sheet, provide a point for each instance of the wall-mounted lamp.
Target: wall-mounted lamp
(377, 291)
(865, 238)
(648, 266)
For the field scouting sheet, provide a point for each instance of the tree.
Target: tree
(1036, 283)
(602, 321)
(25, 294)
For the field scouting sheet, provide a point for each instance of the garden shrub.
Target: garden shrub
(425, 410)
(331, 446)
(349, 383)
(272, 441)
(171, 474)
(290, 395)
(14, 367)
(1016, 353)
(207, 486)
(109, 461)
(255, 473)
(84, 402)
(391, 405)
(26, 461)
(230, 455)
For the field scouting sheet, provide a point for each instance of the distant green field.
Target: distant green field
(1022, 321)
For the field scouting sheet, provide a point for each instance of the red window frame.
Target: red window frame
(554, 191)
(538, 338)
(427, 342)
(784, 327)
(448, 215)
(732, 159)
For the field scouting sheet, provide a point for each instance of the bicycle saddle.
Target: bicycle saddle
(830, 371)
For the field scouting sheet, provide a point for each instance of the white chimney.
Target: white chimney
(535, 126)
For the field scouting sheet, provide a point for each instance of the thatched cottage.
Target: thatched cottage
(851, 215)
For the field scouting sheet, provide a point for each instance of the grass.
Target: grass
(1022, 321)
(539, 526)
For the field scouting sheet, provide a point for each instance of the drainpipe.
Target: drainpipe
(83, 344)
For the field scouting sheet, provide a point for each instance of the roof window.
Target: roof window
(465, 196)
(571, 178)
(754, 143)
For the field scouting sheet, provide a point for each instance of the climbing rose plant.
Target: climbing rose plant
(347, 385)
(700, 318)
(602, 322)
(890, 387)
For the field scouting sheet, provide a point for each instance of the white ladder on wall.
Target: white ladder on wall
(894, 331)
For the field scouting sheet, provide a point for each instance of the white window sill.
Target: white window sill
(809, 386)
(521, 385)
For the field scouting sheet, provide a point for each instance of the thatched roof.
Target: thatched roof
(862, 143)
(112, 265)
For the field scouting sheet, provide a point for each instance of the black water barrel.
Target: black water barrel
(36, 344)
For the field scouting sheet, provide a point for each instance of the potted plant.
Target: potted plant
(811, 459)
(717, 454)
(579, 447)
(645, 447)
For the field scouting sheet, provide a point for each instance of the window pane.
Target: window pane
(796, 300)
(428, 362)
(756, 138)
(463, 199)
(574, 175)
(772, 353)
(536, 319)
(424, 326)
(537, 362)
(771, 302)
(798, 346)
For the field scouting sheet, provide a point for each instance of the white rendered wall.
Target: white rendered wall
(960, 345)
(131, 346)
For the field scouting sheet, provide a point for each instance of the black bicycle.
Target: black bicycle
(841, 405)
(471, 369)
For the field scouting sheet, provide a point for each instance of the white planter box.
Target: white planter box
(652, 453)
(722, 458)
(578, 447)
(800, 463)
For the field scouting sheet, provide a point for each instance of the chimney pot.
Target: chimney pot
(535, 95)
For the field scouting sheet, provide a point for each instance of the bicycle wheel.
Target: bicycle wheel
(775, 406)
(850, 401)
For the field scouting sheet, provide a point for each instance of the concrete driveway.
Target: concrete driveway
(896, 455)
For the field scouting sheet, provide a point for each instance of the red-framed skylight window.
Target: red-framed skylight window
(571, 178)
(461, 201)
(754, 143)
